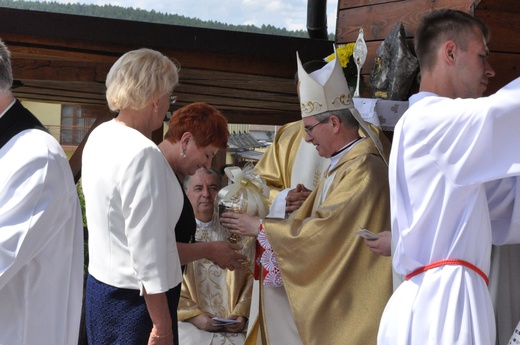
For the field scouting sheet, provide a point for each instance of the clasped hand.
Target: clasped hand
(206, 323)
(296, 197)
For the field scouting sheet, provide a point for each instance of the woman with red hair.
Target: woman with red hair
(196, 133)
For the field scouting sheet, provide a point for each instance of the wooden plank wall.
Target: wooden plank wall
(379, 17)
(503, 20)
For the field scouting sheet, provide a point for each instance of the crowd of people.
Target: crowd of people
(439, 198)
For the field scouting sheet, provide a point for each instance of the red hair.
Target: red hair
(207, 125)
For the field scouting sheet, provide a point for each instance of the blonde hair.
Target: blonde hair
(138, 77)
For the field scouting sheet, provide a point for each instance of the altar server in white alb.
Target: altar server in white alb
(448, 148)
(41, 230)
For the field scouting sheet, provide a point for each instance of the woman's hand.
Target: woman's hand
(157, 305)
(241, 224)
(160, 338)
(226, 255)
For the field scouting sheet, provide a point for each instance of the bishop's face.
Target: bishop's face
(319, 134)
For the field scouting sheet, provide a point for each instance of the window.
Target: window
(74, 127)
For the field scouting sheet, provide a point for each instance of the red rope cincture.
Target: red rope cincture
(448, 262)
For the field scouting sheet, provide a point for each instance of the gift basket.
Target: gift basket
(247, 193)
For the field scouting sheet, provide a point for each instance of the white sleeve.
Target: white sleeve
(145, 211)
(277, 209)
(481, 145)
(34, 203)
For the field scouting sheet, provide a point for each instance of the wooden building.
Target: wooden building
(65, 58)
(378, 18)
(249, 77)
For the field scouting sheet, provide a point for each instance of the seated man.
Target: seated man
(207, 290)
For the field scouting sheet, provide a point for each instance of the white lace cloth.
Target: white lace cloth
(515, 338)
(268, 260)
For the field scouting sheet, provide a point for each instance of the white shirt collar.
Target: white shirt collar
(204, 225)
(419, 96)
(335, 159)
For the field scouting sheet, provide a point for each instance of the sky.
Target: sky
(289, 14)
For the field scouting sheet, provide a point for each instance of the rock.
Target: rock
(395, 67)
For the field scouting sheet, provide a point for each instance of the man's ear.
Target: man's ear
(335, 121)
(449, 52)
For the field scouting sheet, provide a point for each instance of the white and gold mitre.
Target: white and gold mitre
(323, 90)
(327, 90)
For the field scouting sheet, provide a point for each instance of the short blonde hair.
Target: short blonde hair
(138, 77)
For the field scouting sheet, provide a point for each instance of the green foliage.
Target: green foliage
(85, 243)
(129, 13)
(82, 202)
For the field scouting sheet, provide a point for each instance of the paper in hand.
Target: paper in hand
(223, 322)
(369, 235)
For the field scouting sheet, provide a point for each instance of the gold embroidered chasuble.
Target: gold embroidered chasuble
(336, 286)
(206, 288)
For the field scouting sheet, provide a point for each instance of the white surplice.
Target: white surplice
(444, 151)
(41, 243)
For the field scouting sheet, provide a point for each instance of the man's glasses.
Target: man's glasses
(309, 130)
(173, 99)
